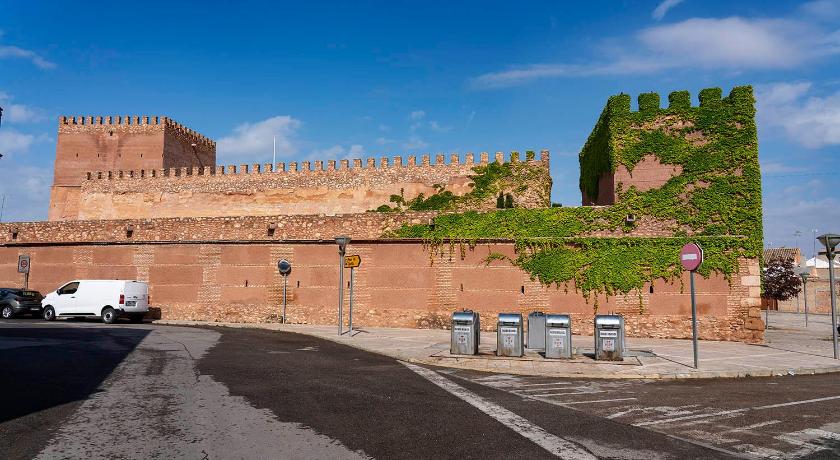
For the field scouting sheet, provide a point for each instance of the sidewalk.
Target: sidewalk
(789, 349)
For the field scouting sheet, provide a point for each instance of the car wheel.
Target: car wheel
(8, 312)
(109, 315)
(136, 318)
(49, 313)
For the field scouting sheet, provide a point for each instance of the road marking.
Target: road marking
(734, 411)
(748, 428)
(568, 393)
(554, 444)
(597, 401)
(543, 384)
(526, 390)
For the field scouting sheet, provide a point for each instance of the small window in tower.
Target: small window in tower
(141, 155)
(111, 133)
(651, 288)
(77, 155)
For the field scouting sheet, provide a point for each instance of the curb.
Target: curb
(456, 363)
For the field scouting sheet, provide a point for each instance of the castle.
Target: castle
(142, 198)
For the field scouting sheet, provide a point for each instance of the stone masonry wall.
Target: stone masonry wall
(119, 143)
(399, 284)
(293, 189)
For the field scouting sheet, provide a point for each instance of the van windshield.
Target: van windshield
(69, 288)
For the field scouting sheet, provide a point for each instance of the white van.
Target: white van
(108, 299)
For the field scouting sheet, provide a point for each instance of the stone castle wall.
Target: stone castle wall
(116, 143)
(293, 189)
(224, 269)
(399, 284)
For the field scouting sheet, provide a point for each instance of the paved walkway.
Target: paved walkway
(790, 348)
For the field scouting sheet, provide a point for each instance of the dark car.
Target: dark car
(15, 301)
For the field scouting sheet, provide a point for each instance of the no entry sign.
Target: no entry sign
(23, 264)
(691, 256)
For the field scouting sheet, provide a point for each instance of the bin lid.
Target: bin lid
(535, 314)
(608, 321)
(558, 321)
(515, 318)
(466, 315)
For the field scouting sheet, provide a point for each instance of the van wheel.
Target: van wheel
(109, 315)
(7, 312)
(49, 313)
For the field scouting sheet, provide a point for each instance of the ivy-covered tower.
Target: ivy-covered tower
(694, 168)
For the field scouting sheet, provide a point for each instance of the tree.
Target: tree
(780, 281)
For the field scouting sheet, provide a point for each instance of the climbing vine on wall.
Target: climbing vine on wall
(715, 200)
(487, 182)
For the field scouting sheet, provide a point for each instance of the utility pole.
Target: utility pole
(2, 206)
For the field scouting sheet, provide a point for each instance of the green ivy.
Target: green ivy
(716, 198)
(487, 181)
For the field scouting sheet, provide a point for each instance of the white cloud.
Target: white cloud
(384, 141)
(27, 197)
(437, 127)
(662, 9)
(775, 167)
(822, 9)
(415, 142)
(338, 152)
(811, 121)
(733, 44)
(13, 141)
(14, 52)
(255, 139)
(417, 115)
(19, 113)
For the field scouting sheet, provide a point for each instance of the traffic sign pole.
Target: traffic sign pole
(694, 320)
(691, 257)
(351, 301)
(285, 279)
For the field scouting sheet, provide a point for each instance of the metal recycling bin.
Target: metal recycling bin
(510, 340)
(609, 337)
(536, 330)
(558, 336)
(466, 332)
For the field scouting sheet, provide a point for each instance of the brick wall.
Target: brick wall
(293, 189)
(399, 284)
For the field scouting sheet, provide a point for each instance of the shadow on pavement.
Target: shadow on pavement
(43, 367)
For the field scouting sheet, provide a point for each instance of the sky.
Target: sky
(335, 80)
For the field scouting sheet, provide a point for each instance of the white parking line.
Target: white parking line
(734, 411)
(543, 384)
(528, 390)
(569, 393)
(597, 401)
(554, 444)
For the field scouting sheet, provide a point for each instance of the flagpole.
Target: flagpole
(274, 158)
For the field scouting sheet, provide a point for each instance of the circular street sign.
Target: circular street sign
(284, 266)
(691, 256)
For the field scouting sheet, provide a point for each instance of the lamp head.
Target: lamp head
(342, 242)
(829, 240)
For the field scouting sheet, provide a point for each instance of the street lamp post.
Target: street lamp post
(803, 273)
(830, 241)
(342, 242)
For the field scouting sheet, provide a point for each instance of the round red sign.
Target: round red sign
(691, 256)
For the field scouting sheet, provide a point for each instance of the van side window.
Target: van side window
(69, 288)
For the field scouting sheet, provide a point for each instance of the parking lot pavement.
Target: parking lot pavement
(151, 391)
(775, 417)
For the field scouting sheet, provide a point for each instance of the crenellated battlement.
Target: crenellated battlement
(320, 166)
(68, 123)
(313, 187)
(739, 96)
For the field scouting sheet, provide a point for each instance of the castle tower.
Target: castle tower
(119, 143)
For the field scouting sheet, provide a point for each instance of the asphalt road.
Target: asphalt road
(86, 390)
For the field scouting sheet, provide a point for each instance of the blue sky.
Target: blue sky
(360, 79)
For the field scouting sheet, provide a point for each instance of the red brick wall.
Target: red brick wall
(397, 285)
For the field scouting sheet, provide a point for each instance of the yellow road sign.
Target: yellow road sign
(352, 261)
